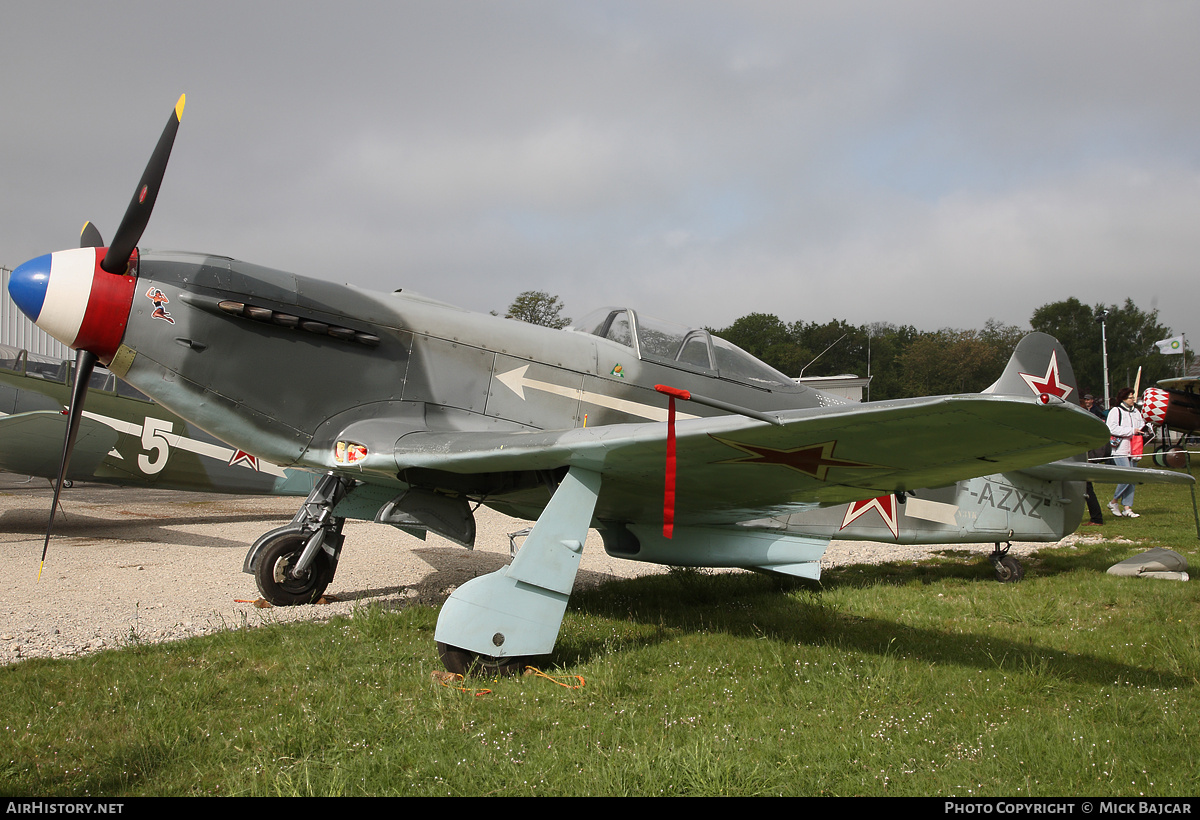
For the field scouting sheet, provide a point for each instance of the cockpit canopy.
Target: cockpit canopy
(51, 369)
(679, 346)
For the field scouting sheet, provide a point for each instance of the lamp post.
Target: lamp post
(1103, 314)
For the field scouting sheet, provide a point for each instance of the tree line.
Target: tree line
(905, 362)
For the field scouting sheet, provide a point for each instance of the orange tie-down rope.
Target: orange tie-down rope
(451, 680)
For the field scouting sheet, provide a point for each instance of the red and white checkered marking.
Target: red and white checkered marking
(1154, 404)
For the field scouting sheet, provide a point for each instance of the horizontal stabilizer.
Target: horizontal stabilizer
(1105, 473)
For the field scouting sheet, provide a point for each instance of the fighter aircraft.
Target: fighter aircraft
(676, 445)
(124, 437)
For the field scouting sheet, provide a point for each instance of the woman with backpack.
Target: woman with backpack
(1125, 422)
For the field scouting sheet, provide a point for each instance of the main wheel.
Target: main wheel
(1009, 570)
(273, 576)
(467, 663)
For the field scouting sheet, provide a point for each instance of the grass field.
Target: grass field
(902, 679)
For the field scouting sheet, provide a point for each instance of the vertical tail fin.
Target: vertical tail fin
(1039, 365)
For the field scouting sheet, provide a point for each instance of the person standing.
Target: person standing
(1124, 422)
(1095, 515)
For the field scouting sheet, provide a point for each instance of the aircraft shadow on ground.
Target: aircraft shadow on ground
(726, 603)
(973, 565)
(133, 529)
(738, 605)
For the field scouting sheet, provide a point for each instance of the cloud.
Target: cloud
(930, 163)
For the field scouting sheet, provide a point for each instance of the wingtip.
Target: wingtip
(179, 107)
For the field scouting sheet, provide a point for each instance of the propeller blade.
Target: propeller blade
(129, 233)
(85, 363)
(90, 236)
(31, 281)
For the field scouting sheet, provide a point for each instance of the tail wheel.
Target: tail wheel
(273, 571)
(1009, 570)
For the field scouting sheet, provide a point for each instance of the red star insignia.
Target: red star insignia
(885, 504)
(1049, 383)
(245, 459)
(812, 459)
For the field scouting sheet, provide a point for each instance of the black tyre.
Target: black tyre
(472, 664)
(276, 560)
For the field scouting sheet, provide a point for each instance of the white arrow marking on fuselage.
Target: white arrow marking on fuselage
(517, 381)
(191, 445)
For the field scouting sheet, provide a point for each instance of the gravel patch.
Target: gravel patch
(131, 565)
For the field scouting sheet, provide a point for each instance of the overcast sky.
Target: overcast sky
(925, 163)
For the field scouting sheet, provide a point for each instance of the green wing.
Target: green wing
(30, 444)
(730, 468)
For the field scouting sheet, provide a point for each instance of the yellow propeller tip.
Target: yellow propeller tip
(179, 107)
(39, 578)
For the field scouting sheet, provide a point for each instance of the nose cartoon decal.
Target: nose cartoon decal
(159, 299)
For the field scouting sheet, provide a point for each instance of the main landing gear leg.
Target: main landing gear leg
(294, 564)
(1008, 568)
(492, 623)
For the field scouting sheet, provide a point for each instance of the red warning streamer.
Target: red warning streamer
(672, 393)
